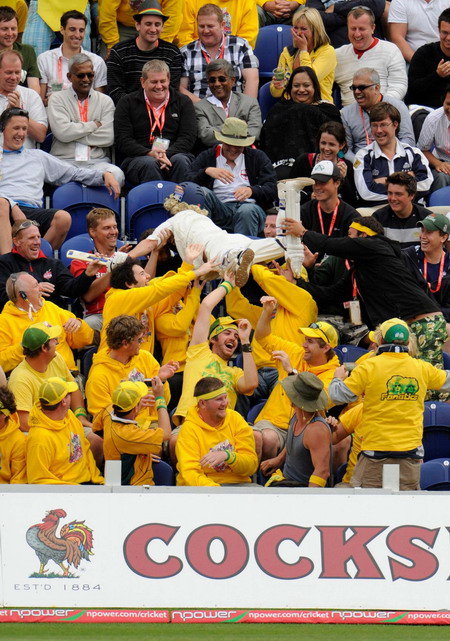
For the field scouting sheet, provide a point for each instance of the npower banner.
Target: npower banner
(226, 550)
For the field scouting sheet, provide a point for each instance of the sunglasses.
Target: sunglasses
(89, 74)
(361, 87)
(212, 81)
(25, 225)
(316, 326)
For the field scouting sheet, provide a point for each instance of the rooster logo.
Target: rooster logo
(74, 543)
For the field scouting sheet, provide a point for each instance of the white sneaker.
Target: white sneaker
(241, 265)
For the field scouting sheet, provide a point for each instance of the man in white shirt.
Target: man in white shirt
(14, 95)
(413, 23)
(82, 120)
(238, 182)
(366, 51)
(54, 64)
(434, 142)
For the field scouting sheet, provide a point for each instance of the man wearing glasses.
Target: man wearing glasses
(82, 121)
(223, 102)
(355, 117)
(365, 50)
(22, 176)
(386, 155)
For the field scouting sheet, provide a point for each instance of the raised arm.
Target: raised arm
(201, 327)
(263, 328)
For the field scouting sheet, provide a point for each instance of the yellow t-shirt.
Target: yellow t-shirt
(25, 381)
(201, 362)
(350, 422)
(394, 387)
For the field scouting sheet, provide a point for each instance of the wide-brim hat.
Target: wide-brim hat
(234, 132)
(306, 391)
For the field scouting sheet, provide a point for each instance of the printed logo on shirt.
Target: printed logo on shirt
(48, 274)
(243, 174)
(76, 453)
(135, 375)
(401, 388)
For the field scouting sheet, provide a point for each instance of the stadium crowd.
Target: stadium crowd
(210, 348)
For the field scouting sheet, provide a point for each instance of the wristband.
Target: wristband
(80, 411)
(157, 398)
(227, 452)
(232, 458)
(160, 405)
(228, 287)
(318, 480)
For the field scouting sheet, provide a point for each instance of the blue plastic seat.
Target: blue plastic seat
(46, 248)
(270, 43)
(349, 353)
(163, 473)
(254, 411)
(145, 206)
(436, 413)
(266, 100)
(78, 200)
(435, 475)
(440, 197)
(83, 243)
(86, 360)
(446, 358)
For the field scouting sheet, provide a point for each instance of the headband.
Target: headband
(4, 410)
(218, 327)
(213, 394)
(363, 228)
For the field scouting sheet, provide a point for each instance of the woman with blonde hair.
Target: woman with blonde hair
(310, 48)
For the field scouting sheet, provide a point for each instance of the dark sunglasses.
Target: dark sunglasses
(89, 74)
(361, 87)
(212, 81)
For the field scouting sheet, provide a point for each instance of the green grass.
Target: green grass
(218, 632)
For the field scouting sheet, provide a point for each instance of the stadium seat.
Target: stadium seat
(266, 100)
(47, 144)
(436, 441)
(46, 248)
(78, 200)
(436, 413)
(254, 411)
(446, 358)
(145, 206)
(349, 353)
(86, 360)
(83, 243)
(435, 475)
(340, 473)
(163, 474)
(440, 197)
(269, 44)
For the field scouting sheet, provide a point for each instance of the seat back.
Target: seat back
(436, 442)
(266, 100)
(82, 243)
(86, 360)
(435, 475)
(349, 353)
(78, 200)
(254, 411)
(163, 473)
(269, 44)
(440, 197)
(46, 248)
(145, 206)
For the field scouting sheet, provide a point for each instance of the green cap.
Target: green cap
(38, 334)
(435, 222)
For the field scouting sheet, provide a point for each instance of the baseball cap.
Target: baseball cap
(322, 330)
(324, 170)
(128, 394)
(395, 330)
(148, 8)
(434, 222)
(54, 389)
(221, 324)
(38, 334)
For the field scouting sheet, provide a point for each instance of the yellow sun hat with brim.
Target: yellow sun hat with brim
(128, 394)
(54, 389)
(38, 334)
(221, 324)
(322, 330)
(395, 330)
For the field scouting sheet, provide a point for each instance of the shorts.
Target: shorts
(368, 472)
(267, 425)
(42, 216)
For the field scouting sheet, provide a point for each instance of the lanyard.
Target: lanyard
(366, 133)
(156, 119)
(441, 273)
(221, 52)
(83, 109)
(59, 70)
(333, 218)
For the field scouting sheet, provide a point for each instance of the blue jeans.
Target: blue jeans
(235, 217)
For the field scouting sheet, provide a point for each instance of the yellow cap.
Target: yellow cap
(128, 394)
(322, 330)
(54, 389)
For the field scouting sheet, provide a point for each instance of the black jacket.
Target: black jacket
(132, 125)
(414, 260)
(425, 87)
(260, 172)
(44, 270)
(385, 286)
